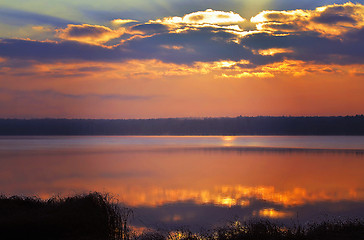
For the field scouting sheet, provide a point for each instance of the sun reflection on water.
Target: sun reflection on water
(226, 178)
(228, 140)
(272, 213)
(238, 195)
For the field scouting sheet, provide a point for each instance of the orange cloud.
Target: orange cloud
(122, 21)
(91, 34)
(292, 68)
(274, 51)
(331, 20)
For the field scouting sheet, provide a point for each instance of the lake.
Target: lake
(195, 182)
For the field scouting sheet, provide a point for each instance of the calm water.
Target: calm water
(195, 181)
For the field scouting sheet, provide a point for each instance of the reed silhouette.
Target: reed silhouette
(96, 216)
(267, 230)
(91, 216)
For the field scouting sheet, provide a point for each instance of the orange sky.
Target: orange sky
(198, 64)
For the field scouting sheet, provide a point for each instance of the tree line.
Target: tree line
(261, 125)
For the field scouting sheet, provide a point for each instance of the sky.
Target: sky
(180, 58)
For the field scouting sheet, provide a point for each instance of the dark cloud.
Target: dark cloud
(55, 51)
(93, 34)
(16, 63)
(94, 69)
(355, 36)
(194, 43)
(333, 19)
(336, 14)
(311, 46)
(21, 18)
(281, 26)
(150, 28)
(327, 35)
(205, 44)
(276, 16)
(202, 45)
(39, 94)
(86, 30)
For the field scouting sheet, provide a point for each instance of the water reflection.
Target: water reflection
(194, 185)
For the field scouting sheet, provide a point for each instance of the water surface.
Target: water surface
(195, 181)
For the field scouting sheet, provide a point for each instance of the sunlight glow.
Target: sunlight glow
(122, 21)
(228, 196)
(213, 17)
(228, 138)
(226, 201)
(274, 51)
(172, 47)
(272, 213)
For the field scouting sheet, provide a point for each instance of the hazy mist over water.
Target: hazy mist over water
(195, 181)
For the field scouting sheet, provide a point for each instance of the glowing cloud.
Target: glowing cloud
(331, 20)
(122, 21)
(208, 17)
(249, 75)
(273, 51)
(92, 34)
(295, 43)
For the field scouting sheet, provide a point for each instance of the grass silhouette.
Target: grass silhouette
(96, 216)
(81, 217)
(267, 230)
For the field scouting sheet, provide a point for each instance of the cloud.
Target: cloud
(55, 94)
(44, 51)
(311, 36)
(92, 34)
(336, 14)
(311, 47)
(150, 28)
(119, 21)
(327, 35)
(249, 75)
(21, 18)
(330, 21)
(208, 17)
(192, 46)
(204, 44)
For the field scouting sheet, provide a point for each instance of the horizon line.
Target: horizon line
(188, 118)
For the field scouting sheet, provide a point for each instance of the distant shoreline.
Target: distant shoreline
(288, 126)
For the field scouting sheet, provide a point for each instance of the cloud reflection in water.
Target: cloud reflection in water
(196, 186)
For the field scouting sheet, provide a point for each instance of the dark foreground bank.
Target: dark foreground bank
(92, 216)
(96, 217)
(348, 125)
